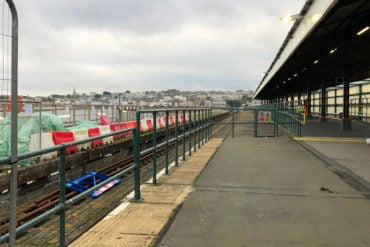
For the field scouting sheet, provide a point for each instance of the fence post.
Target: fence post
(183, 134)
(14, 126)
(255, 122)
(195, 130)
(166, 155)
(276, 122)
(299, 125)
(89, 112)
(199, 127)
(233, 123)
(190, 123)
(177, 138)
(136, 134)
(40, 121)
(211, 124)
(62, 195)
(154, 147)
(205, 133)
(73, 114)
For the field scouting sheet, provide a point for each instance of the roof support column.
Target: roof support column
(335, 102)
(346, 121)
(308, 100)
(323, 102)
(292, 102)
(360, 106)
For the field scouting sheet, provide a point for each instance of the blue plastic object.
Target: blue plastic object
(91, 179)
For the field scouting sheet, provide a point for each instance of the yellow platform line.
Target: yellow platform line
(330, 139)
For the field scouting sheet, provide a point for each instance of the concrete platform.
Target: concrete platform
(269, 192)
(251, 192)
(344, 152)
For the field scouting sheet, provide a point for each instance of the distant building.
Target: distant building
(219, 104)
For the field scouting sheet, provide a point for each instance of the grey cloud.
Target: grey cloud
(146, 16)
(147, 44)
(137, 16)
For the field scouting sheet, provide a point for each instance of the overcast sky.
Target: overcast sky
(140, 45)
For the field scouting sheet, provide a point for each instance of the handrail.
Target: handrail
(61, 207)
(195, 130)
(14, 120)
(199, 128)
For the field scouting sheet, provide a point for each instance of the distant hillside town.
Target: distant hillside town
(152, 99)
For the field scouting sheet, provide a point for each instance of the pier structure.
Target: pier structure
(280, 176)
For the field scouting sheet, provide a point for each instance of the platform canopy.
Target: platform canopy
(329, 39)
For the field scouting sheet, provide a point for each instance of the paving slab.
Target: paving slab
(164, 193)
(182, 177)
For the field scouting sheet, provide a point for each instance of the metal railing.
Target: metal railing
(267, 120)
(286, 116)
(235, 121)
(13, 80)
(63, 204)
(71, 114)
(359, 105)
(359, 108)
(290, 116)
(290, 121)
(197, 127)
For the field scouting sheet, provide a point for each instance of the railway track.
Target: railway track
(48, 201)
(78, 215)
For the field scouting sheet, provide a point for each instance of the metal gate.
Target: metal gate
(264, 121)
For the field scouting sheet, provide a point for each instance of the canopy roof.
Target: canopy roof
(329, 38)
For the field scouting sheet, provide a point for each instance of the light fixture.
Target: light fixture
(289, 79)
(363, 30)
(333, 50)
(315, 18)
(284, 82)
(289, 18)
(295, 75)
(316, 61)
